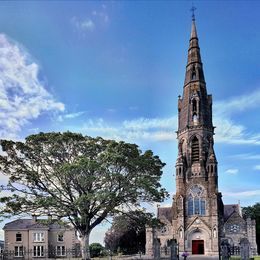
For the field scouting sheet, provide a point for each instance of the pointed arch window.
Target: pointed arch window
(202, 207)
(190, 205)
(193, 73)
(195, 150)
(196, 201)
(196, 206)
(194, 105)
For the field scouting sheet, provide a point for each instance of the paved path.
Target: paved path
(202, 257)
(190, 257)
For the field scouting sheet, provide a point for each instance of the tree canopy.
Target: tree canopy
(96, 250)
(127, 233)
(80, 178)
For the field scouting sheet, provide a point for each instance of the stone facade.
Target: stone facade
(197, 220)
(236, 228)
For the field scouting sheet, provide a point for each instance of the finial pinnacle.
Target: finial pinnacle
(193, 8)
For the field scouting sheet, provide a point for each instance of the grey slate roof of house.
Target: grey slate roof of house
(32, 224)
(229, 209)
(165, 212)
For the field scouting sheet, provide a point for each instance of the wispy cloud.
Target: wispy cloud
(23, 97)
(133, 108)
(257, 167)
(102, 15)
(111, 110)
(91, 21)
(231, 171)
(227, 130)
(241, 194)
(70, 115)
(246, 156)
(238, 103)
(151, 123)
(142, 129)
(83, 25)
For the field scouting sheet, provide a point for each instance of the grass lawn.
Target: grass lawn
(238, 258)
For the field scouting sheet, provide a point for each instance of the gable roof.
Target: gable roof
(230, 209)
(165, 212)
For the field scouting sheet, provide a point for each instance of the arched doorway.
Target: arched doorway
(198, 247)
(198, 241)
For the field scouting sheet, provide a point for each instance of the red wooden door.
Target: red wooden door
(197, 247)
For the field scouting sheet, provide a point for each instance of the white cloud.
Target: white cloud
(111, 110)
(83, 25)
(257, 167)
(241, 194)
(89, 23)
(151, 123)
(70, 115)
(228, 131)
(141, 129)
(246, 156)
(133, 108)
(232, 171)
(101, 15)
(23, 97)
(238, 103)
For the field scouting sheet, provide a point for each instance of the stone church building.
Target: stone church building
(197, 219)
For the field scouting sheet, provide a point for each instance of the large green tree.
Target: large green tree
(254, 213)
(76, 177)
(127, 232)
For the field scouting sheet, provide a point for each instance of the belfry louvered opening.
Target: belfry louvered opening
(195, 150)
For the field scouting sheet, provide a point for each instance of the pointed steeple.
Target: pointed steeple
(195, 105)
(193, 29)
(194, 68)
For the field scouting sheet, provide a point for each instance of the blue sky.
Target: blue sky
(115, 69)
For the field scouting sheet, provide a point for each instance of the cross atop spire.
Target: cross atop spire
(193, 8)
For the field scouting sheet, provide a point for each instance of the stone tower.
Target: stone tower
(197, 200)
(197, 219)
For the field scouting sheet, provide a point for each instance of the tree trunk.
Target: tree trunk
(84, 242)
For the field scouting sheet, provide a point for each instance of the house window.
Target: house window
(38, 251)
(38, 237)
(60, 251)
(18, 237)
(60, 237)
(18, 251)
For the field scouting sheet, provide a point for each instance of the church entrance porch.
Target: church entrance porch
(198, 247)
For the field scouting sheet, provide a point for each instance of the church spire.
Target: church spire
(195, 105)
(193, 28)
(194, 69)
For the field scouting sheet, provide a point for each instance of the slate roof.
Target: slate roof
(20, 224)
(165, 212)
(229, 209)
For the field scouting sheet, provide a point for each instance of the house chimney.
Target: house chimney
(49, 217)
(34, 218)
